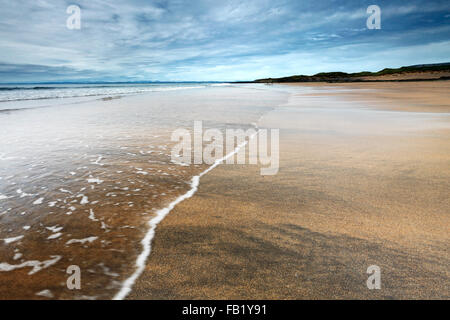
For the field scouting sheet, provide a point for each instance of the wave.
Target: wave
(65, 87)
(26, 88)
(8, 94)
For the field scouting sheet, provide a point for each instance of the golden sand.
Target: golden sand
(360, 184)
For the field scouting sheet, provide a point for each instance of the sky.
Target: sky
(215, 40)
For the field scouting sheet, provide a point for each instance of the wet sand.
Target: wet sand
(363, 180)
(80, 182)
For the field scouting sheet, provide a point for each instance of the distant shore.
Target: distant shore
(430, 72)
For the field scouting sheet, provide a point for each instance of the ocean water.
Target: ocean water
(85, 179)
(14, 92)
(19, 96)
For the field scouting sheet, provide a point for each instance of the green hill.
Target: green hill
(356, 77)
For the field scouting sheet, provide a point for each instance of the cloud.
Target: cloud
(212, 40)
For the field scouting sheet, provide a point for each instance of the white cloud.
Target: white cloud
(216, 40)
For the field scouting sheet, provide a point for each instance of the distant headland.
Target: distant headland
(423, 72)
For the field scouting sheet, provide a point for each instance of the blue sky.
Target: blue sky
(145, 40)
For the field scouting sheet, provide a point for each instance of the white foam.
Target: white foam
(54, 229)
(92, 215)
(38, 201)
(54, 236)
(3, 197)
(179, 163)
(45, 293)
(107, 271)
(35, 264)
(160, 215)
(94, 180)
(11, 240)
(104, 226)
(24, 194)
(98, 161)
(84, 199)
(90, 240)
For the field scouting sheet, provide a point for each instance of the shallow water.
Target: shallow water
(79, 181)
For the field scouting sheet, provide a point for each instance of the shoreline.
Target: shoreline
(446, 78)
(307, 233)
(159, 216)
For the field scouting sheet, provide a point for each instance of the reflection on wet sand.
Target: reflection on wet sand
(359, 184)
(79, 182)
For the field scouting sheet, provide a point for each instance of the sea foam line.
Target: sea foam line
(160, 215)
